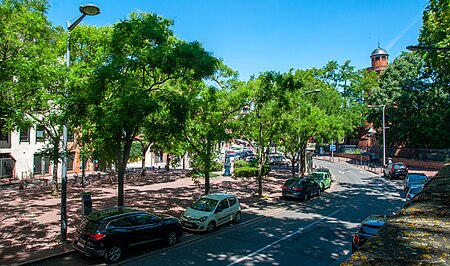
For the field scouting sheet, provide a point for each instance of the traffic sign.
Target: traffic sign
(332, 147)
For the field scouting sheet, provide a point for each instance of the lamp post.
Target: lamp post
(384, 129)
(427, 48)
(299, 139)
(86, 10)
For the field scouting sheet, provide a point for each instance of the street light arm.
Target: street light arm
(73, 25)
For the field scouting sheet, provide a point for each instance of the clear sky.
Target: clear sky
(253, 36)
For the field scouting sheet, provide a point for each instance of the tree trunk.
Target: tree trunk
(122, 164)
(167, 163)
(144, 152)
(55, 190)
(207, 183)
(261, 161)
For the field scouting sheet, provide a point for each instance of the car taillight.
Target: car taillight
(406, 168)
(284, 187)
(96, 237)
(356, 239)
(298, 189)
(408, 196)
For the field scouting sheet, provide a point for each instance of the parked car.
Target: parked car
(250, 158)
(300, 188)
(367, 229)
(413, 179)
(323, 169)
(107, 233)
(211, 211)
(395, 170)
(322, 178)
(278, 160)
(413, 191)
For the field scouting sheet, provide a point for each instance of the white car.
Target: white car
(211, 211)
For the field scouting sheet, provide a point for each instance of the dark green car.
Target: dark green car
(322, 178)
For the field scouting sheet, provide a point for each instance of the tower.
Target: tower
(379, 58)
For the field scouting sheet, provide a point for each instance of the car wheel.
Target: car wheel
(170, 238)
(113, 253)
(211, 227)
(306, 197)
(319, 191)
(237, 217)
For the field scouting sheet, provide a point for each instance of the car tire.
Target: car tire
(170, 238)
(113, 253)
(237, 217)
(319, 192)
(211, 227)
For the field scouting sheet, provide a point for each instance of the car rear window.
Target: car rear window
(418, 179)
(90, 226)
(399, 166)
(369, 229)
(290, 182)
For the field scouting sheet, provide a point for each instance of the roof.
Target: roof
(106, 213)
(219, 196)
(379, 51)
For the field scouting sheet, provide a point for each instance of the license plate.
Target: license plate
(188, 225)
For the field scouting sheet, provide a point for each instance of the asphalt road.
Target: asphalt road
(315, 232)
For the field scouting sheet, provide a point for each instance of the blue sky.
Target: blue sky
(253, 36)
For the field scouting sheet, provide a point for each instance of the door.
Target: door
(223, 212)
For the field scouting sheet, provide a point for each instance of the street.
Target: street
(315, 232)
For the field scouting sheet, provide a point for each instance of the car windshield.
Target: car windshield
(204, 204)
(415, 190)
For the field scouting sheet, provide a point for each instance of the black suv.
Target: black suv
(300, 188)
(108, 232)
(396, 170)
(367, 229)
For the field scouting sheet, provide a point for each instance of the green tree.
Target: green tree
(142, 58)
(435, 33)
(31, 74)
(416, 111)
(212, 116)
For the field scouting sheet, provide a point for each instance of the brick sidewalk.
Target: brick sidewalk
(30, 218)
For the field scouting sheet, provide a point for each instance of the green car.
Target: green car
(322, 178)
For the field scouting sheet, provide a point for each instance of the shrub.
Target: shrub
(240, 163)
(250, 171)
(216, 166)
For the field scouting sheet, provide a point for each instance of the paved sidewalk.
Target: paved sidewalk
(30, 218)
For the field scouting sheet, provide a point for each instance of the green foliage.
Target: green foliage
(250, 171)
(240, 163)
(435, 33)
(198, 168)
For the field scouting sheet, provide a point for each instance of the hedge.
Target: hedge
(250, 171)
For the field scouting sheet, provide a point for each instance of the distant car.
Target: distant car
(368, 228)
(300, 188)
(107, 233)
(211, 211)
(322, 178)
(396, 170)
(250, 158)
(413, 191)
(278, 160)
(413, 179)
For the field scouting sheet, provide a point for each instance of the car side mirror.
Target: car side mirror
(218, 210)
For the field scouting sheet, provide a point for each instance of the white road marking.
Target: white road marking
(286, 237)
(341, 172)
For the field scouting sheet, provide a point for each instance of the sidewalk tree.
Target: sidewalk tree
(213, 113)
(32, 75)
(143, 56)
(267, 96)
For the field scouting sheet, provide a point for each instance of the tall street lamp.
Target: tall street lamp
(384, 129)
(299, 139)
(86, 10)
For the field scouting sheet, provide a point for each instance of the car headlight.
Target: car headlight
(203, 218)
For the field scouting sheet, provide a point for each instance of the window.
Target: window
(144, 219)
(70, 159)
(122, 222)
(232, 200)
(41, 164)
(24, 135)
(40, 133)
(4, 134)
(70, 137)
(223, 205)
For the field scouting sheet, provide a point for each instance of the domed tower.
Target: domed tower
(379, 59)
